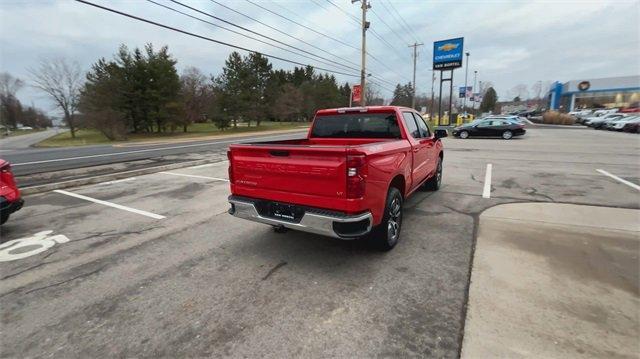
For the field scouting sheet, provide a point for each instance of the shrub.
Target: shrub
(557, 118)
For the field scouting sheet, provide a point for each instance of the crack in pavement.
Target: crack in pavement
(54, 284)
(66, 281)
(534, 192)
(272, 270)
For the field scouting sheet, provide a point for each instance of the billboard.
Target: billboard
(447, 54)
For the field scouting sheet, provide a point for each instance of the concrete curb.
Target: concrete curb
(111, 176)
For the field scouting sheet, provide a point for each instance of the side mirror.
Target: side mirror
(440, 134)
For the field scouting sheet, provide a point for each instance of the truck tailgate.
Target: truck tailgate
(304, 170)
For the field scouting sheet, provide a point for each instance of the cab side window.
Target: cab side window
(484, 124)
(410, 123)
(424, 129)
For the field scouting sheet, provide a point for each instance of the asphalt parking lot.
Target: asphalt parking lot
(154, 266)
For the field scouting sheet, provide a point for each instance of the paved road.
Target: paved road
(185, 279)
(59, 163)
(19, 143)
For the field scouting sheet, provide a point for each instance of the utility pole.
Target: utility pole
(365, 25)
(415, 57)
(466, 74)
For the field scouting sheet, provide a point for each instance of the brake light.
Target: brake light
(6, 176)
(230, 169)
(355, 176)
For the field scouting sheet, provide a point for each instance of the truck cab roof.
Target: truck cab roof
(332, 111)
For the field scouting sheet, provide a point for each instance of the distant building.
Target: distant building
(594, 93)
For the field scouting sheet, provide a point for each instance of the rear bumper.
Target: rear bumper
(318, 221)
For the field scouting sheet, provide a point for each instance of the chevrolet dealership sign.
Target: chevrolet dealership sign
(447, 54)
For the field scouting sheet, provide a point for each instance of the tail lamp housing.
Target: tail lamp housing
(230, 169)
(356, 176)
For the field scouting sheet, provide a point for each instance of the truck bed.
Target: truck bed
(312, 172)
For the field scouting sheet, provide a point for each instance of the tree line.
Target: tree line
(140, 90)
(13, 112)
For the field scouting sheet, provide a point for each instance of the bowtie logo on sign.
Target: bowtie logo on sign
(584, 85)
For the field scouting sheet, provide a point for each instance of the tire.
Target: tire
(4, 216)
(464, 135)
(433, 183)
(386, 235)
(507, 135)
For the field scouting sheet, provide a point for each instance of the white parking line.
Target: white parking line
(152, 149)
(114, 205)
(486, 192)
(196, 176)
(630, 184)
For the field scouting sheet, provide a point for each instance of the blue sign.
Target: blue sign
(447, 54)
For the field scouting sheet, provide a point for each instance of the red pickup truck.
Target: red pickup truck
(10, 200)
(347, 179)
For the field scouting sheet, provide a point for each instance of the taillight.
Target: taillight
(355, 176)
(6, 177)
(230, 169)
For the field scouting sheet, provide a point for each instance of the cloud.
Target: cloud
(511, 42)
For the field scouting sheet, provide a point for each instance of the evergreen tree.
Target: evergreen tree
(402, 95)
(489, 100)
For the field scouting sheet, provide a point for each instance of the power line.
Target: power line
(280, 31)
(286, 34)
(208, 38)
(373, 32)
(332, 38)
(353, 17)
(389, 27)
(302, 25)
(406, 26)
(241, 34)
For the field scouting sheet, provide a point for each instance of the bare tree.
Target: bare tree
(520, 92)
(196, 94)
(10, 107)
(372, 95)
(9, 85)
(61, 81)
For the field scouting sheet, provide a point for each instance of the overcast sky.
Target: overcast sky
(511, 42)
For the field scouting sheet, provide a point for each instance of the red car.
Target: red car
(634, 107)
(349, 178)
(10, 200)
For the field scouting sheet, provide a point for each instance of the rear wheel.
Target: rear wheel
(507, 135)
(464, 134)
(387, 233)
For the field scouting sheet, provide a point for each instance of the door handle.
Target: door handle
(416, 150)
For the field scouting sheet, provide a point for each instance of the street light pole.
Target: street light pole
(433, 80)
(466, 74)
(475, 74)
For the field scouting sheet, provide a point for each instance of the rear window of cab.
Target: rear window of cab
(356, 125)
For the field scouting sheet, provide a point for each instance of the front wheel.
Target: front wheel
(433, 183)
(464, 135)
(4, 216)
(387, 233)
(507, 135)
